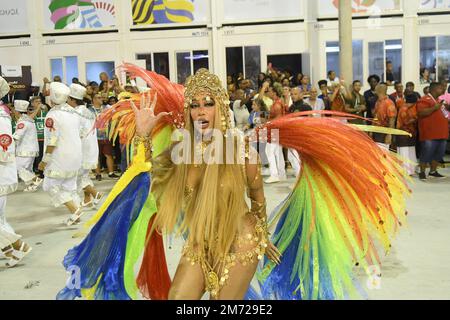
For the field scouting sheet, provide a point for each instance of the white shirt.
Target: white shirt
(232, 120)
(8, 169)
(89, 142)
(241, 114)
(27, 145)
(317, 106)
(63, 130)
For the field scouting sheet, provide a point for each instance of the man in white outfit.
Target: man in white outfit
(11, 246)
(89, 145)
(27, 146)
(241, 113)
(62, 152)
(297, 106)
(295, 161)
(274, 151)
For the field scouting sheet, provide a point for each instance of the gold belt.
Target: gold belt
(216, 280)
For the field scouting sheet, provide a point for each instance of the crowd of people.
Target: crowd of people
(425, 117)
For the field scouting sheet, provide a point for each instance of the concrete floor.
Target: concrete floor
(417, 267)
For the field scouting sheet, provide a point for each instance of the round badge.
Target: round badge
(5, 141)
(20, 126)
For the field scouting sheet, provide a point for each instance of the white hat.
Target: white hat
(77, 91)
(59, 92)
(4, 87)
(35, 85)
(21, 105)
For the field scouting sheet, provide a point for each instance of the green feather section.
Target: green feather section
(162, 140)
(136, 243)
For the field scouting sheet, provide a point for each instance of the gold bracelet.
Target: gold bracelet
(147, 142)
(258, 208)
(262, 228)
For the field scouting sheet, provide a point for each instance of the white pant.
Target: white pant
(25, 169)
(61, 191)
(7, 233)
(83, 180)
(295, 161)
(261, 151)
(408, 154)
(275, 157)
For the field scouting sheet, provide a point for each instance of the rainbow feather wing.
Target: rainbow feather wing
(101, 257)
(108, 255)
(348, 202)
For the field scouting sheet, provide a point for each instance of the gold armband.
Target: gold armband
(147, 143)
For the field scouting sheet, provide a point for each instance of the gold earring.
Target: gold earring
(224, 124)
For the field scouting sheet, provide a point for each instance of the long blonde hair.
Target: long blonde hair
(212, 218)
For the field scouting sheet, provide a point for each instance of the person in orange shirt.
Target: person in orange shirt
(385, 115)
(338, 97)
(275, 93)
(433, 130)
(398, 97)
(407, 121)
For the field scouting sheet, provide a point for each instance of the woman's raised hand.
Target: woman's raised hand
(146, 119)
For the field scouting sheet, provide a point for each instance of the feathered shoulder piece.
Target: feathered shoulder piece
(120, 117)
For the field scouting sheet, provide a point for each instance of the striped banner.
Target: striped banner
(162, 11)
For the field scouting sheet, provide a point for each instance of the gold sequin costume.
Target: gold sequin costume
(251, 241)
(249, 245)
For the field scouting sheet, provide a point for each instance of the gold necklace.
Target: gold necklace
(200, 149)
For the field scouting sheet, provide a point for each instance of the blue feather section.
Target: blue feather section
(103, 251)
(279, 285)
